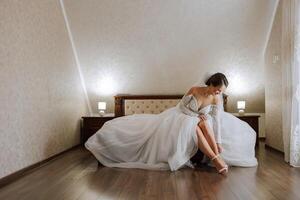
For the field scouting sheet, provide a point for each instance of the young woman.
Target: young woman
(206, 103)
(168, 140)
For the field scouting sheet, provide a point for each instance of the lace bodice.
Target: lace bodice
(189, 105)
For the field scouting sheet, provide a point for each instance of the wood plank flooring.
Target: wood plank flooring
(76, 175)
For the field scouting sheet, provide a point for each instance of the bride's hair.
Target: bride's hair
(217, 79)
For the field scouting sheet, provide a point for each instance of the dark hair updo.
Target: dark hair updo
(218, 79)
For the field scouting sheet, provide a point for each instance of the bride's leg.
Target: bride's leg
(207, 150)
(208, 134)
(203, 144)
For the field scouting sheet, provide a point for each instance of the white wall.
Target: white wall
(163, 47)
(41, 97)
(273, 84)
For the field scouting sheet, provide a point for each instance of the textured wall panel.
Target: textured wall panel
(41, 98)
(273, 77)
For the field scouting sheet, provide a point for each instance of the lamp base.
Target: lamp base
(101, 113)
(241, 112)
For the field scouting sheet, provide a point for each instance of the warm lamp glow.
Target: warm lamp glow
(241, 81)
(237, 85)
(106, 85)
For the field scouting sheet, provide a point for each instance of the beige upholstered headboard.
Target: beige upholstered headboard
(150, 104)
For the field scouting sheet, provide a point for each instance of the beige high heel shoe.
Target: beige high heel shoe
(224, 170)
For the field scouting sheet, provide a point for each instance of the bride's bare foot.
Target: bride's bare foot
(220, 165)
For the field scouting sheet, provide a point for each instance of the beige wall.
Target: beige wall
(41, 98)
(163, 47)
(273, 85)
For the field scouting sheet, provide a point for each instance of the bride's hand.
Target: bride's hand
(220, 149)
(202, 117)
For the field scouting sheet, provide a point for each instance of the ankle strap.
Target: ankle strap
(216, 156)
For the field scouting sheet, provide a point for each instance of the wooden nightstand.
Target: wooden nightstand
(252, 120)
(90, 125)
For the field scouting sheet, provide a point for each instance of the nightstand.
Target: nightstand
(252, 120)
(90, 125)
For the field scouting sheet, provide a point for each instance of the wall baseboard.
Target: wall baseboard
(273, 149)
(20, 173)
(262, 139)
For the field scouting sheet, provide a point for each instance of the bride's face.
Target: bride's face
(218, 89)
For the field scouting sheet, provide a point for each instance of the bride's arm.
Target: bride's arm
(188, 104)
(215, 113)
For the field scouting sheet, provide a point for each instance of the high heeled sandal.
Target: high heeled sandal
(224, 169)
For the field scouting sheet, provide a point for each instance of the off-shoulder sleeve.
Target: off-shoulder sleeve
(189, 105)
(216, 110)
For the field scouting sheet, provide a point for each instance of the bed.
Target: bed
(237, 143)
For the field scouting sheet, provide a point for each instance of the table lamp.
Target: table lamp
(101, 108)
(241, 105)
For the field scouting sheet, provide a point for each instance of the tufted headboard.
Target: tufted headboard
(137, 104)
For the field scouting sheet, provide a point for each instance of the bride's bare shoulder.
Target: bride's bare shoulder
(195, 90)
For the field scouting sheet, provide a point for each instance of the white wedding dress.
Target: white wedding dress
(168, 140)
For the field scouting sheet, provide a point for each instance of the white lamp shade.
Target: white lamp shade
(101, 105)
(241, 104)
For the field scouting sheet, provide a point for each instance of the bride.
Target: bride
(168, 140)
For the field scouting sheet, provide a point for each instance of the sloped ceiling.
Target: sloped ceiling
(164, 47)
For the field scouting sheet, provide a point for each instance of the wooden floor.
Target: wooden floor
(75, 175)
